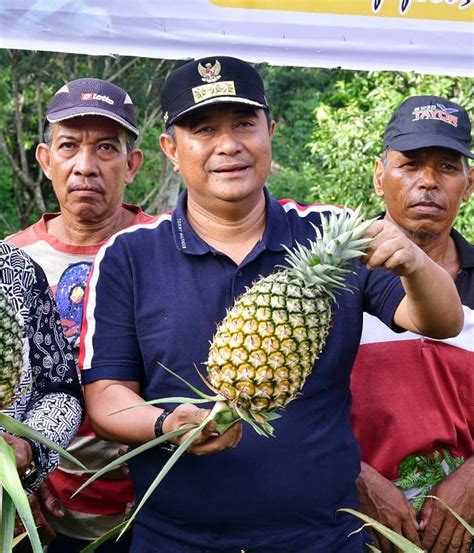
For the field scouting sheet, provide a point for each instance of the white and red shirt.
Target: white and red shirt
(415, 395)
(102, 504)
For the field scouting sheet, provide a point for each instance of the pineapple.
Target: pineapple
(266, 346)
(11, 352)
(12, 496)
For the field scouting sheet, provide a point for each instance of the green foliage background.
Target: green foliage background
(330, 127)
(334, 161)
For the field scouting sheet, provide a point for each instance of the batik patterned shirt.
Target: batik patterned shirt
(48, 398)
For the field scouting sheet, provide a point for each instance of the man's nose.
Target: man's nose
(228, 143)
(85, 162)
(428, 177)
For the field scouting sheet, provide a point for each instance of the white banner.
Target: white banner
(428, 36)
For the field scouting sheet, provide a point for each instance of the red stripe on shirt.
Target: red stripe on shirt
(102, 497)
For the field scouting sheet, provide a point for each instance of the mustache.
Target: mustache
(87, 186)
(427, 197)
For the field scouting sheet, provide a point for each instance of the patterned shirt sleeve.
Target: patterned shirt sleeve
(55, 407)
(49, 397)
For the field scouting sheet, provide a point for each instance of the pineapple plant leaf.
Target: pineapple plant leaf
(105, 537)
(14, 500)
(466, 525)
(265, 348)
(13, 495)
(406, 546)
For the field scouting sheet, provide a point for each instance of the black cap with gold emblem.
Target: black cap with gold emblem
(210, 81)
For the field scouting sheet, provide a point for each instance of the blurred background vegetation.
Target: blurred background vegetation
(330, 129)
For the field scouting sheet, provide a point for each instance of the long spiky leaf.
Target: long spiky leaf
(191, 400)
(466, 525)
(11, 482)
(105, 537)
(166, 468)
(188, 384)
(136, 451)
(401, 542)
(25, 431)
(7, 521)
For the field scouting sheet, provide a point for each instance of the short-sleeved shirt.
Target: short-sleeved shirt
(156, 295)
(49, 397)
(412, 394)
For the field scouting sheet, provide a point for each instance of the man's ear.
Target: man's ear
(272, 128)
(43, 157)
(168, 145)
(134, 162)
(378, 178)
(470, 180)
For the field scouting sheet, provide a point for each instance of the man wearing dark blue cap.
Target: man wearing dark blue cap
(88, 154)
(417, 428)
(156, 296)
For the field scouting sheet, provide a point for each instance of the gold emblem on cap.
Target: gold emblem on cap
(205, 91)
(166, 117)
(210, 73)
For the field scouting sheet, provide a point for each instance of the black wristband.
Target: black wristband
(159, 423)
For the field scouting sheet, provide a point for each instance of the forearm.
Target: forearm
(58, 417)
(432, 306)
(134, 426)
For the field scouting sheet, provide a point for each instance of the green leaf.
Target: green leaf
(466, 525)
(372, 548)
(136, 451)
(166, 468)
(401, 542)
(105, 537)
(11, 483)
(19, 538)
(25, 431)
(7, 522)
(168, 400)
(189, 385)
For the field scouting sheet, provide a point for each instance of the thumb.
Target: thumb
(51, 501)
(425, 513)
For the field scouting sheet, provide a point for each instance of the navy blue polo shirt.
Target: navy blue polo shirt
(157, 293)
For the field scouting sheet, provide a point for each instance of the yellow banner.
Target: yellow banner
(447, 10)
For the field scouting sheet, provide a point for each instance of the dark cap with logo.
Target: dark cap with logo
(209, 81)
(93, 97)
(424, 121)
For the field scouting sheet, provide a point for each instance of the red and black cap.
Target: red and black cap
(209, 81)
(93, 97)
(425, 121)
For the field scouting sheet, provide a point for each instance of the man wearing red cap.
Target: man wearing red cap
(413, 408)
(88, 155)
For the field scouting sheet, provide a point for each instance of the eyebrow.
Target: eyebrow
(111, 138)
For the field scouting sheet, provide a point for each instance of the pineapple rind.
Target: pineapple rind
(273, 373)
(11, 352)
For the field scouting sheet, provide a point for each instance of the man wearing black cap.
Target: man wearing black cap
(88, 154)
(414, 397)
(175, 279)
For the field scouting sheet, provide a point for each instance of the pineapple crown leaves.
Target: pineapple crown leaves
(325, 260)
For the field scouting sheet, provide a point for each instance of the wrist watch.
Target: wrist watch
(31, 471)
(159, 423)
(165, 446)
